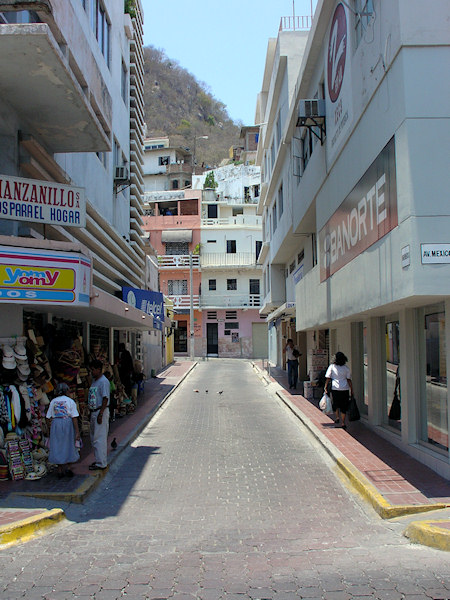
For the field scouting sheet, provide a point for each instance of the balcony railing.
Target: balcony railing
(230, 300)
(238, 220)
(295, 23)
(223, 259)
(178, 261)
(185, 301)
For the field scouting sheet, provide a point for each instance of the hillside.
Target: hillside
(178, 105)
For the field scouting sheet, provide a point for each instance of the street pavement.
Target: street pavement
(223, 496)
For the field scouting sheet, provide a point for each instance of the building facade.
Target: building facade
(367, 148)
(71, 156)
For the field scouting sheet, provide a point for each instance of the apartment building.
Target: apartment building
(71, 130)
(363, 264)
(166, 167)
(231, 239)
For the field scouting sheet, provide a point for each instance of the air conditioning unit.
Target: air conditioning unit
(310, 109)
(121, 174)
(174, 324)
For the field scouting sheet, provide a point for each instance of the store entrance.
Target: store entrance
(180, 341)
(212, 338)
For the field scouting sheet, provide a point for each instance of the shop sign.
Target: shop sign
(152, 303)
(366, 215)
(406, 257)
(32, 276)
(297, 275)
(46, 202)
(435, 253)
(338, 97)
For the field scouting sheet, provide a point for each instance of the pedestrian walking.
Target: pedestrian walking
(64, 432)
(338, 382)
(292, 355)
(98, 404)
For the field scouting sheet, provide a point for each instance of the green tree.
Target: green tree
(210, 181)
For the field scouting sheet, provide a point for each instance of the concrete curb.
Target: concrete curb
(428, 534)
(79, 495)
(24, 530)
(422, 532)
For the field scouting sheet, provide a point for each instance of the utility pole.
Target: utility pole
(191, 309)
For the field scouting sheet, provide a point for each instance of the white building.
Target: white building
(166, 167)
(230, 277)
(367, 182)
(71, 155)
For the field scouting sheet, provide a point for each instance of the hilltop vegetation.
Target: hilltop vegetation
(178, 105)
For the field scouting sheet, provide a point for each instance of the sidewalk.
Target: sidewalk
(394, 483)
(21, 524)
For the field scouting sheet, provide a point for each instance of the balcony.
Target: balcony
(178, 261)
(237, 221)
(230, 300)
(175, 168)
(184, 301)
(224, 260)
(41, 80)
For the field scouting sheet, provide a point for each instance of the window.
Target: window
(212, 284)
(246, 194)
(230, 315)
(272, 152)
(274, 217)
(307, 148)
(124, 84)
(231, 284)
(278, 128)
(177, 248)
(102, 157)
(280, 201)
(231, 246)
(101, 28)
(300, 257)
(177, 287)
(256, 191)
(175, 184)
(231, 325)
(292, 266)
(257, 248)
(211, 315)
(163, 160)
(254, 286)
(363, 16)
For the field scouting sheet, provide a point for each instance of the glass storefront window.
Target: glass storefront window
(435, 398)
(365, 406)
(393, 411)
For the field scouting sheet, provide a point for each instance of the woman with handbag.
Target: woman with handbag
(338, 381)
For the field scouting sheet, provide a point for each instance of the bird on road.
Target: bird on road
(196, 391)
(206, 391)
(220, 393)
(114, 444)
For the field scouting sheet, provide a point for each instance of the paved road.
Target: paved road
(224, 497)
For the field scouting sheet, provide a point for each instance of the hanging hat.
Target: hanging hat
(24, 369)
(7, 351)
(9, 362)
(20, 351)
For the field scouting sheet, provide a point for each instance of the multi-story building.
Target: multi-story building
(230, 278)
(172, 223)
(166, 167)
(360, 155)
(71, 130)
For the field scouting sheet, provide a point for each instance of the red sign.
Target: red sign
(337, 51)
(366, 215)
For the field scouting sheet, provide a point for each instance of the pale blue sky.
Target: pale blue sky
(222, 43)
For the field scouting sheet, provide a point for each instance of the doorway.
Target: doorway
(212, 338)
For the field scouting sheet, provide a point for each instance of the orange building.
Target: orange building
(172, 224)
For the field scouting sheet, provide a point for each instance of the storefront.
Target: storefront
(54, 323)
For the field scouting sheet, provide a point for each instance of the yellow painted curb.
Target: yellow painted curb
(21, 531)
(426, 533)
(373, 496)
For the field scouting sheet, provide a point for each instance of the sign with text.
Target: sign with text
(338, 85)
(367, 214)
(32, 276)
(435, 253)
(152, 303)
(46, 202)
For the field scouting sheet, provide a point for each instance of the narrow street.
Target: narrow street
(223, 496)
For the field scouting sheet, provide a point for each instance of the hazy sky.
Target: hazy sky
(222, 43)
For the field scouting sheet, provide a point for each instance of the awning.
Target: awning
(105, 310)
(176, 235)
(285, 310)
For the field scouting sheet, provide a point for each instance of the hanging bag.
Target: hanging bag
(395, 412)
(325, 404)
(353, 410)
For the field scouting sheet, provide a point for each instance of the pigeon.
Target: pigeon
(196, 391)
(206, 391)
(220, 393)
(114, 444)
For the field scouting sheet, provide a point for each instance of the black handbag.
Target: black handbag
(353, 410)
(395, 412)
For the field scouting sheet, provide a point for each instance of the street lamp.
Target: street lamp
(197, 137)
